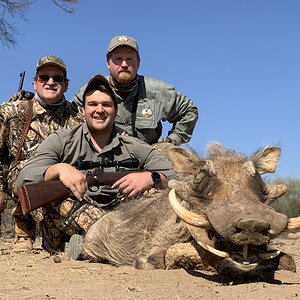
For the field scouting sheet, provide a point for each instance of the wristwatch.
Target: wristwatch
(156, 179)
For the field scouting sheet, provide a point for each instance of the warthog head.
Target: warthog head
(228, 208)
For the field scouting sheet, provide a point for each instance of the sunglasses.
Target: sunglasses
(45, 78)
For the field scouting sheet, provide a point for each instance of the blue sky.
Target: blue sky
(238, 60)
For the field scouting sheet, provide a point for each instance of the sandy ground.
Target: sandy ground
(36, 275)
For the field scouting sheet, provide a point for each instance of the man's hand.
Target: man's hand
(134, 183)
(167, 140)
(72, 178)
(2, 201)
(121, 132)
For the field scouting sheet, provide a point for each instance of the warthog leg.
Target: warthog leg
(155, 260)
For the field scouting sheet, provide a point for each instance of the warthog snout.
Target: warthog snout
(249, 231)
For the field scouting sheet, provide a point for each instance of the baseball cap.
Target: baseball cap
(95, 82)
(122, 40)
(51, 60)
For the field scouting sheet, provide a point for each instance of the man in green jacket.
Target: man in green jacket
(144, 102)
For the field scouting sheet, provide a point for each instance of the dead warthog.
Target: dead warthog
(218, 207)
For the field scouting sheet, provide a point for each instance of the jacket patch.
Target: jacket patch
(147, 113)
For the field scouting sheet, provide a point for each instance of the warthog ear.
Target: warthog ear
(183, 161)
(265, 160)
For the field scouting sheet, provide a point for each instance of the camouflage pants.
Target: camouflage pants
(65, 218)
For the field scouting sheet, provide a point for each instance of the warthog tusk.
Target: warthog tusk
(245, 251)
(212, 250)
(269, 255)
(293, 224)
(186, 215)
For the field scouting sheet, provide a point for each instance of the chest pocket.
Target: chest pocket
(147, 115)
(147, 123)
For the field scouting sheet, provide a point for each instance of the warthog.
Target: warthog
(220, 203)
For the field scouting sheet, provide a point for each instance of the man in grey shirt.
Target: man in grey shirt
(95, 140)
(144, 102)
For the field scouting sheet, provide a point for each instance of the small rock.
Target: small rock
(57, 259)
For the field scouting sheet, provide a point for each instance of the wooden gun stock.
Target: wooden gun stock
(35, 195)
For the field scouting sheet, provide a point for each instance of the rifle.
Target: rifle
(24, 94)
(35, 195)
(22, 76)
(5, 158)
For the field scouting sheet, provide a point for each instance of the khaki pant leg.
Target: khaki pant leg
(65, 218)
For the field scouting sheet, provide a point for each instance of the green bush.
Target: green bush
(289, 203)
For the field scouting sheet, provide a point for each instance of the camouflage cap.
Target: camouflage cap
(122, 40)
(51, 60)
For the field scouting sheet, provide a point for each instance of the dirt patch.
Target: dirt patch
(36, 275)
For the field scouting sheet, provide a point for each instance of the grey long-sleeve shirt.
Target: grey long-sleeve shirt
(71, 145)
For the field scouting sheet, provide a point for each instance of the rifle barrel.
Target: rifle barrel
(22, 76)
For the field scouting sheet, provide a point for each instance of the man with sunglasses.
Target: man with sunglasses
(144, 102)
(24, 124)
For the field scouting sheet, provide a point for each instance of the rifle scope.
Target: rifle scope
(126, 163)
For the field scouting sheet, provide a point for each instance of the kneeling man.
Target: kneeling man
(95, 140)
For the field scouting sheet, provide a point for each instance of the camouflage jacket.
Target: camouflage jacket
(13, 114)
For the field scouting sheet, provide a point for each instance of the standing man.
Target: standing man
(95, 140)
(24, 124)
(144, 102)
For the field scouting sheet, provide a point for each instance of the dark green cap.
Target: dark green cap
(97, 81)
(122, 40)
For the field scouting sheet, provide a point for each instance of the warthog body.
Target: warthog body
(228, 217)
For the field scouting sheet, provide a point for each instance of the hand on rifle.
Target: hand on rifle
(72, 178)
(134, 183)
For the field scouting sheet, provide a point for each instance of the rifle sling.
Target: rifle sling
(25, 131)
(133, 112)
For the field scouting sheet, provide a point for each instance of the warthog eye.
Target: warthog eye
(204, 184)
(238, 230)
(265, 231)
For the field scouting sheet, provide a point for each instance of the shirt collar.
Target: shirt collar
(114, 140)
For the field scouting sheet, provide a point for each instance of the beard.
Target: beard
(125, 77)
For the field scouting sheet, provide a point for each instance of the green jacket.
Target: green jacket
(157, 102)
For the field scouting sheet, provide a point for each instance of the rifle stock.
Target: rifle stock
(35, 195)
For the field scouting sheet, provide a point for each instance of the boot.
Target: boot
(22, 244)
(25, 233)
(75, 247)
